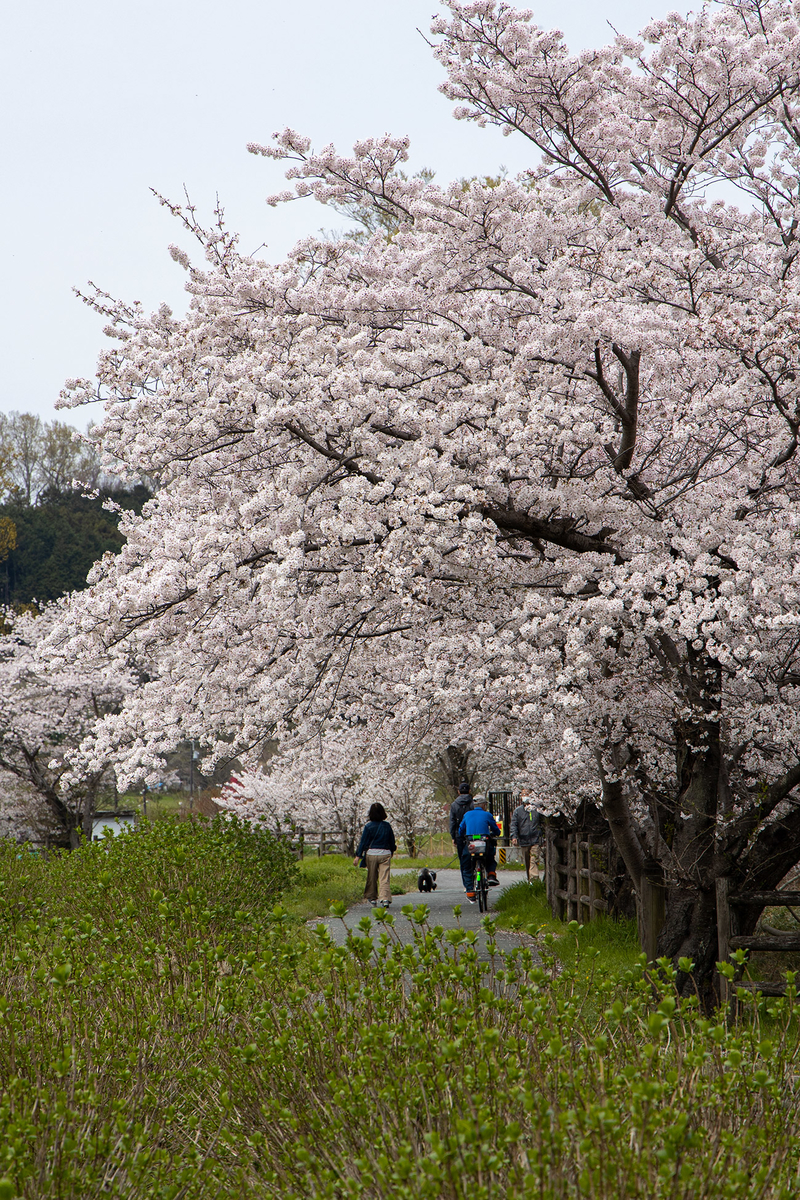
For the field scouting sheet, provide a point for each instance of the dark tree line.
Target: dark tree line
(57, 541)
(50, 531)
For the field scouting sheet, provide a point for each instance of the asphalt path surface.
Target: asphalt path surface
(449, 893)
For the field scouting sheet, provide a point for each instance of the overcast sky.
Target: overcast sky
(103, 100)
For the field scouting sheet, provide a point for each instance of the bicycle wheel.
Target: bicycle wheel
(481, 886)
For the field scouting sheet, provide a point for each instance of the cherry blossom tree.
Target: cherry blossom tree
(328, 784)
(21, 815)
(47, 716)
(415, 808)
(525, 471)
(311, 788)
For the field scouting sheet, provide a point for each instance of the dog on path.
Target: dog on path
(426, 880)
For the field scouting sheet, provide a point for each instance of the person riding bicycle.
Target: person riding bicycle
(478, 823)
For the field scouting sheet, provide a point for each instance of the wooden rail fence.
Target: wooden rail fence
(319, 842)
(583, 872)
(730, 906)
(576, 875)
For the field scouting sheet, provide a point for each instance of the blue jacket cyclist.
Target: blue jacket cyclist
(478, 823)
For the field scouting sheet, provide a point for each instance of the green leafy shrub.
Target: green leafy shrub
(168, 1031)
(221, 872)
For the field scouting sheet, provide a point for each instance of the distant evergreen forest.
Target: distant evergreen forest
(58, 539)
(50, 533)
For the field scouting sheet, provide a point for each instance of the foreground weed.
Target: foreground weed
(169, 1032)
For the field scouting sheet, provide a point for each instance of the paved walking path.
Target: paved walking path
(449, 892)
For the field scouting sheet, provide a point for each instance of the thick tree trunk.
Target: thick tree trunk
(690, 931)
(644, 869)
(65, 835)
(690, 918)
(350, 837)
(674, 869)
(455, 766)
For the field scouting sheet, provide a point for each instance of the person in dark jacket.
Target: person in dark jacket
(526, 832)
(377, 845)
(462, 804)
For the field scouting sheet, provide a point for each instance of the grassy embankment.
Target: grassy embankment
(171, 1033)
(524, 906)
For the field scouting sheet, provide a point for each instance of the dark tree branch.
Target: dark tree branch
(349, 462)
(558, 532)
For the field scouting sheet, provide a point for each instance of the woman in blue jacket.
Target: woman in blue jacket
(377, 845)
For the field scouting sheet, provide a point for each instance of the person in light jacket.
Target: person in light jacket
(377, 845)
(526, 832)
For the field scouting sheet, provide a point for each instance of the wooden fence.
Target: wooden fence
(730, 907)
(582, 872)
(576, 874)
(586, 877)
(319, 842)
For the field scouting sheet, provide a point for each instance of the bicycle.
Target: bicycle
(477, 848)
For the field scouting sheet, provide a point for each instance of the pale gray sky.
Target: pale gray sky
(103, 100)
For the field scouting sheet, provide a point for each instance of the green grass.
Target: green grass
(333, 879)
(159, 804)
(403, 882)
(432, 845)
(322, 882)
(524, 905)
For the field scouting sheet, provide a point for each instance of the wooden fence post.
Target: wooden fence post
(723, 936)
(572, 863)
(550, 872)
(574, 881)
(651, 915)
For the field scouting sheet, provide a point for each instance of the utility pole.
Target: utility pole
(192, 761)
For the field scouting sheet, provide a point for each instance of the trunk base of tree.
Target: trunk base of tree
(690, 931)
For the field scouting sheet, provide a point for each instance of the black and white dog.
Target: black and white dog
(426, 880)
